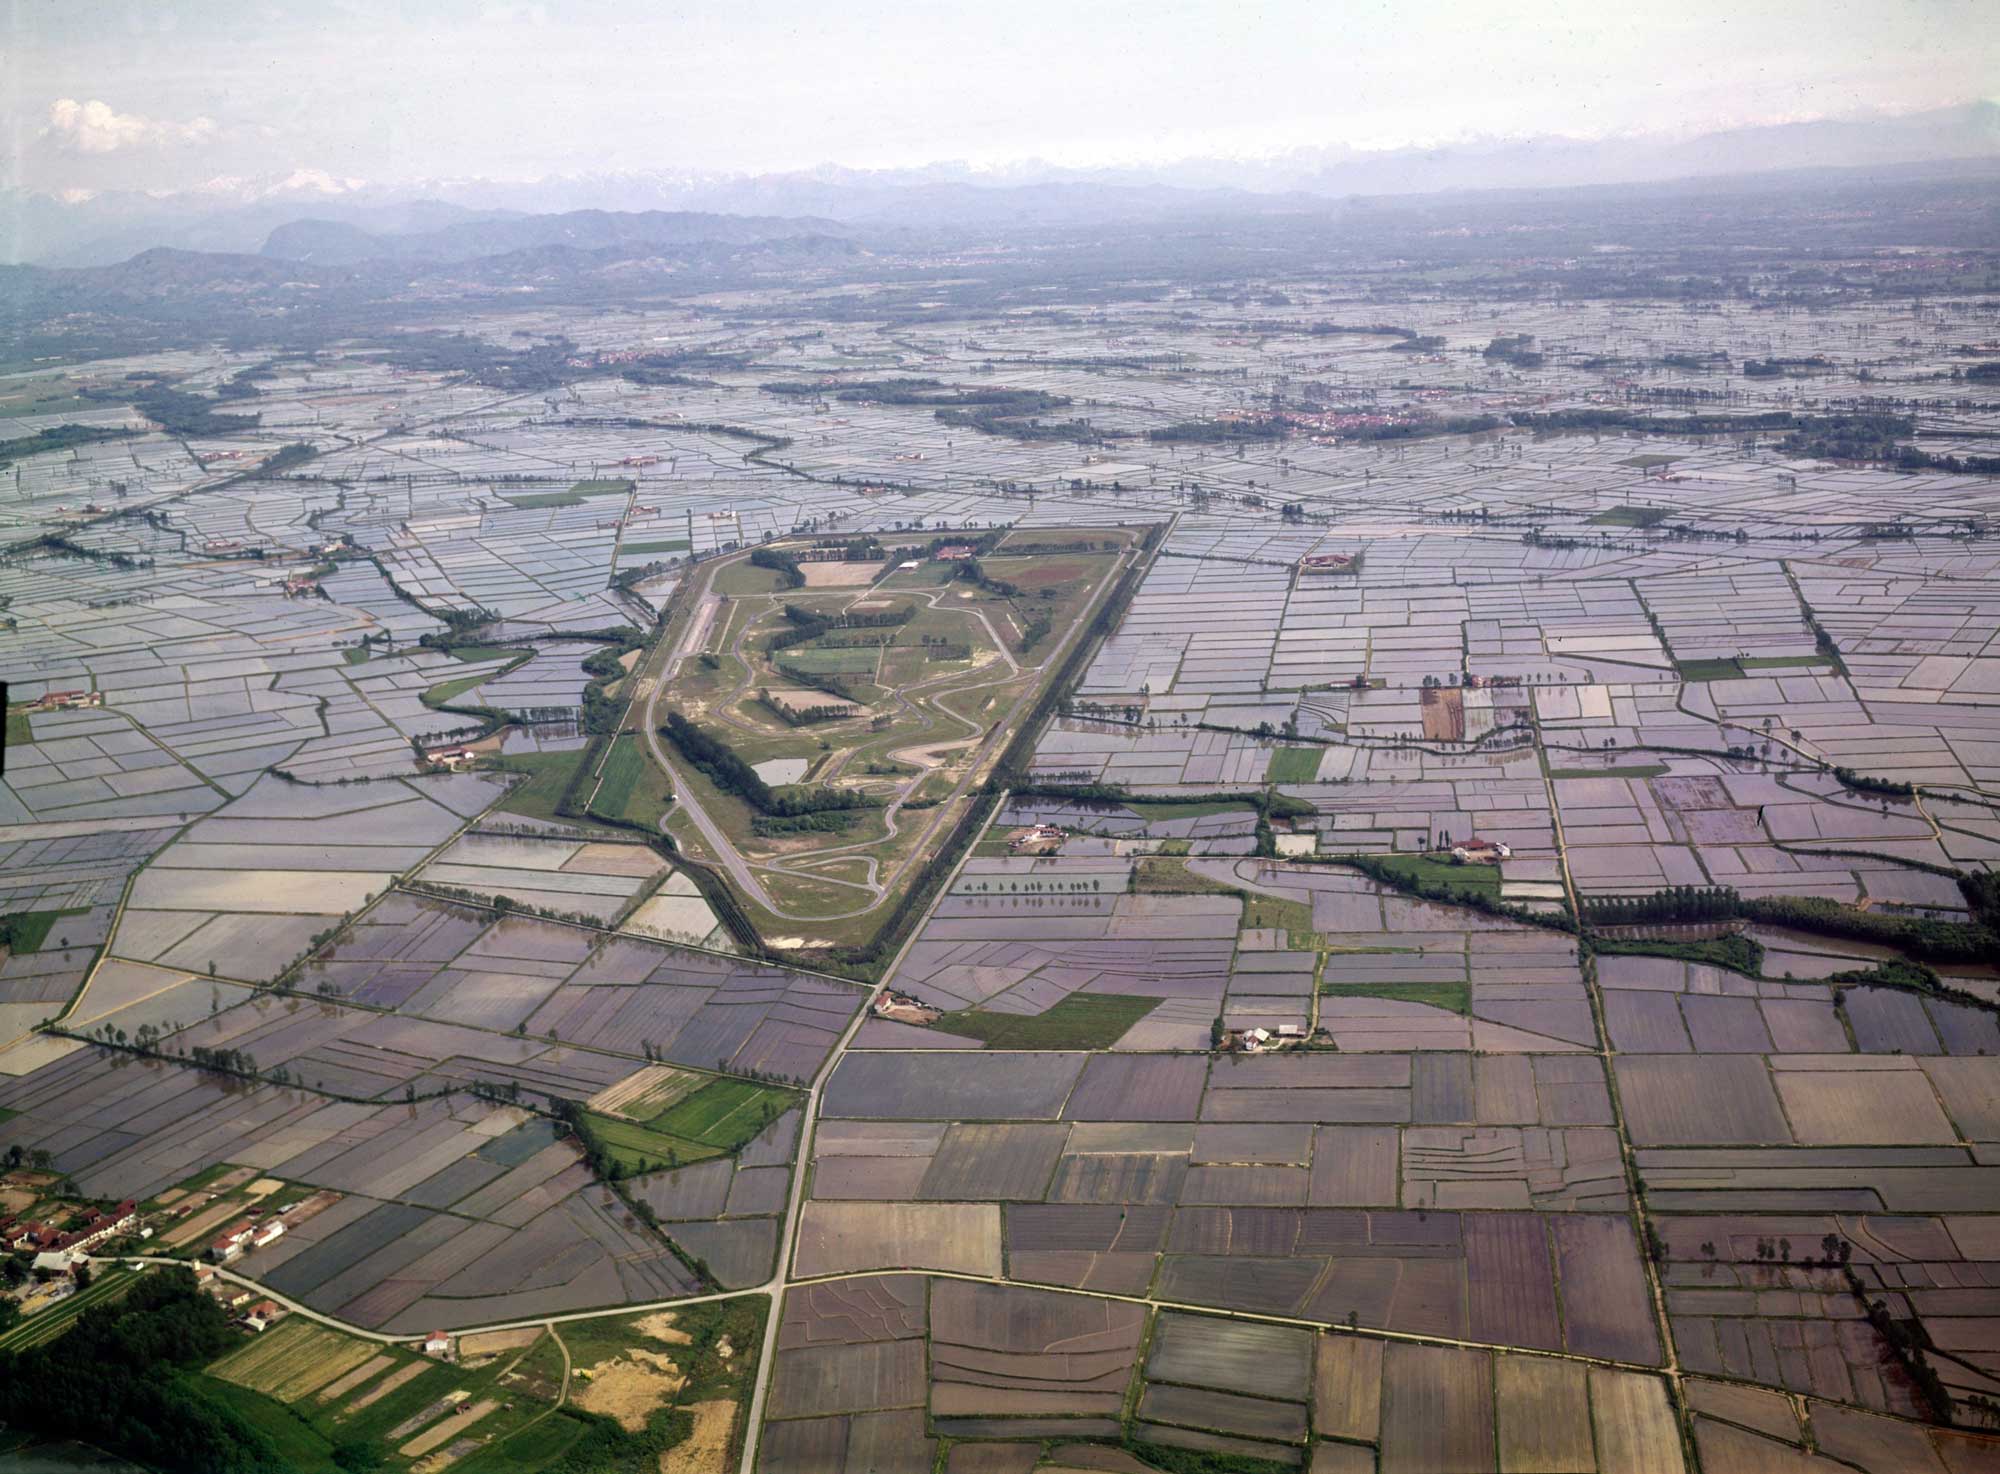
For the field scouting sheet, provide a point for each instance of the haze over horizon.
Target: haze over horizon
(236, 99)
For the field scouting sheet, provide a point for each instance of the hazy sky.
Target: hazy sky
(170, 93)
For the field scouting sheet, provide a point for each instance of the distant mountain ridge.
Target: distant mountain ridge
(417, 220)
(333, 242)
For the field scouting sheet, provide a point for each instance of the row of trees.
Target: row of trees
(725, 768)
(1922, 937)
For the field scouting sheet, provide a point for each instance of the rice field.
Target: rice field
(1176, 1133)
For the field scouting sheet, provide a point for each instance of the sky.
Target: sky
(170, 96)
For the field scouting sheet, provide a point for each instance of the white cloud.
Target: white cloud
(300, 181)
(97, 128)
(315, 181)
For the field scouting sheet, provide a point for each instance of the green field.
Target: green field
(602, 486)
(1445, 874)
(548, 774)
(302, 1447)
(30, 929)
(821, 662)
(534, 500)
(1080, 1021)
(671, 545)
(1202, 809)
(1293, 765)
(1783, 662)
(725, 1114)
(714, 1121)
(1455, 996)
(744, 577)
(638, 1148)
(1735, 668)
(1639, 516)
(445, 692)
(357, 654)
(1278, 913)
(631, 790)
(1737, 953)
(19, 733)
(1166, 876)
(51, 396)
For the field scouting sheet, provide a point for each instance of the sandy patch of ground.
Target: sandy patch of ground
(15, 1200)
(199, 1223)
(492, 1343)
(703, 1449)
(614, 859)
(263, 1187)
(659, 1326)
(499, 1122)
(630, 1389)
(843, 575)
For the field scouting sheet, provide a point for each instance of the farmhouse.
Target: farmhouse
(954, 552)
(68, 700)
(263, 1315)
(903, 1009)
(1326, 563)
(1036, 839)
(232, 1241)
(453, 755)
(1477, 851)
(102, 1224)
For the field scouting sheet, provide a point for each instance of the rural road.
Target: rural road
(692, 634)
